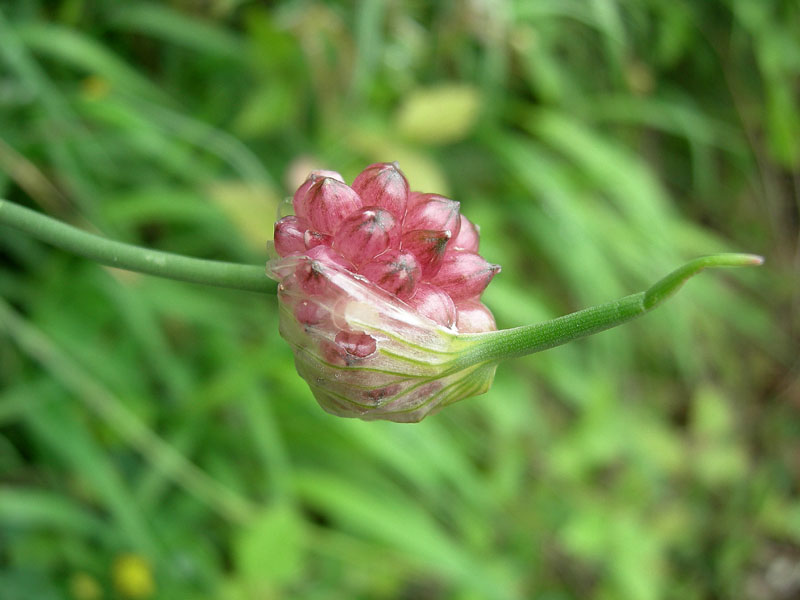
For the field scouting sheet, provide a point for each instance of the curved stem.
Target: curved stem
(134, 258)
(664, 288)
(519, 341)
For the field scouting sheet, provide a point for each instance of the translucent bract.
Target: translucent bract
(375, 297)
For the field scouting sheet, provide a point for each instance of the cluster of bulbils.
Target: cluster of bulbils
(375, 284)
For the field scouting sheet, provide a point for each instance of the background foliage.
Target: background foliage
(155, 441)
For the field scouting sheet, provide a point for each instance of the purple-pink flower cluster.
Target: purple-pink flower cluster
(415, 246)
(377, 284)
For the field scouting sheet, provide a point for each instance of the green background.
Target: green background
(155, 440)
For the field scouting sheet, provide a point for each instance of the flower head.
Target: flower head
(376, 284)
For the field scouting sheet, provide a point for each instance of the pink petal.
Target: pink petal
(464, 275)
(313, 238)
(327, 202)
(434, 303)
(433, 212)
(333, 353)
(365, 234)
(298, 201)
(395, 271)
(289, 235)
(314, 270)
(383, 185)
(323, 173)
(309, 312)
(415, 198)
(467, 238)
(356, 343)
(428, 247)
(474, 317)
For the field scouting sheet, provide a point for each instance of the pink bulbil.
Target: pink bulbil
(416, 247)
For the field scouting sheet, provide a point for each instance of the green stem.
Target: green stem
(519, 341)
(134, 258)
(507, 343)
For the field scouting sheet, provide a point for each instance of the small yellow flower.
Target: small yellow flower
(133, 576)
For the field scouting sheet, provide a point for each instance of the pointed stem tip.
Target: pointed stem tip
(670, 284)
(754, 259)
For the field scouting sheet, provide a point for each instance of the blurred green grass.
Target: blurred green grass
(155, 440)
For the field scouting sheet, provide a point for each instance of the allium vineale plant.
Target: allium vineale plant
(379, 293)
(375, 281)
